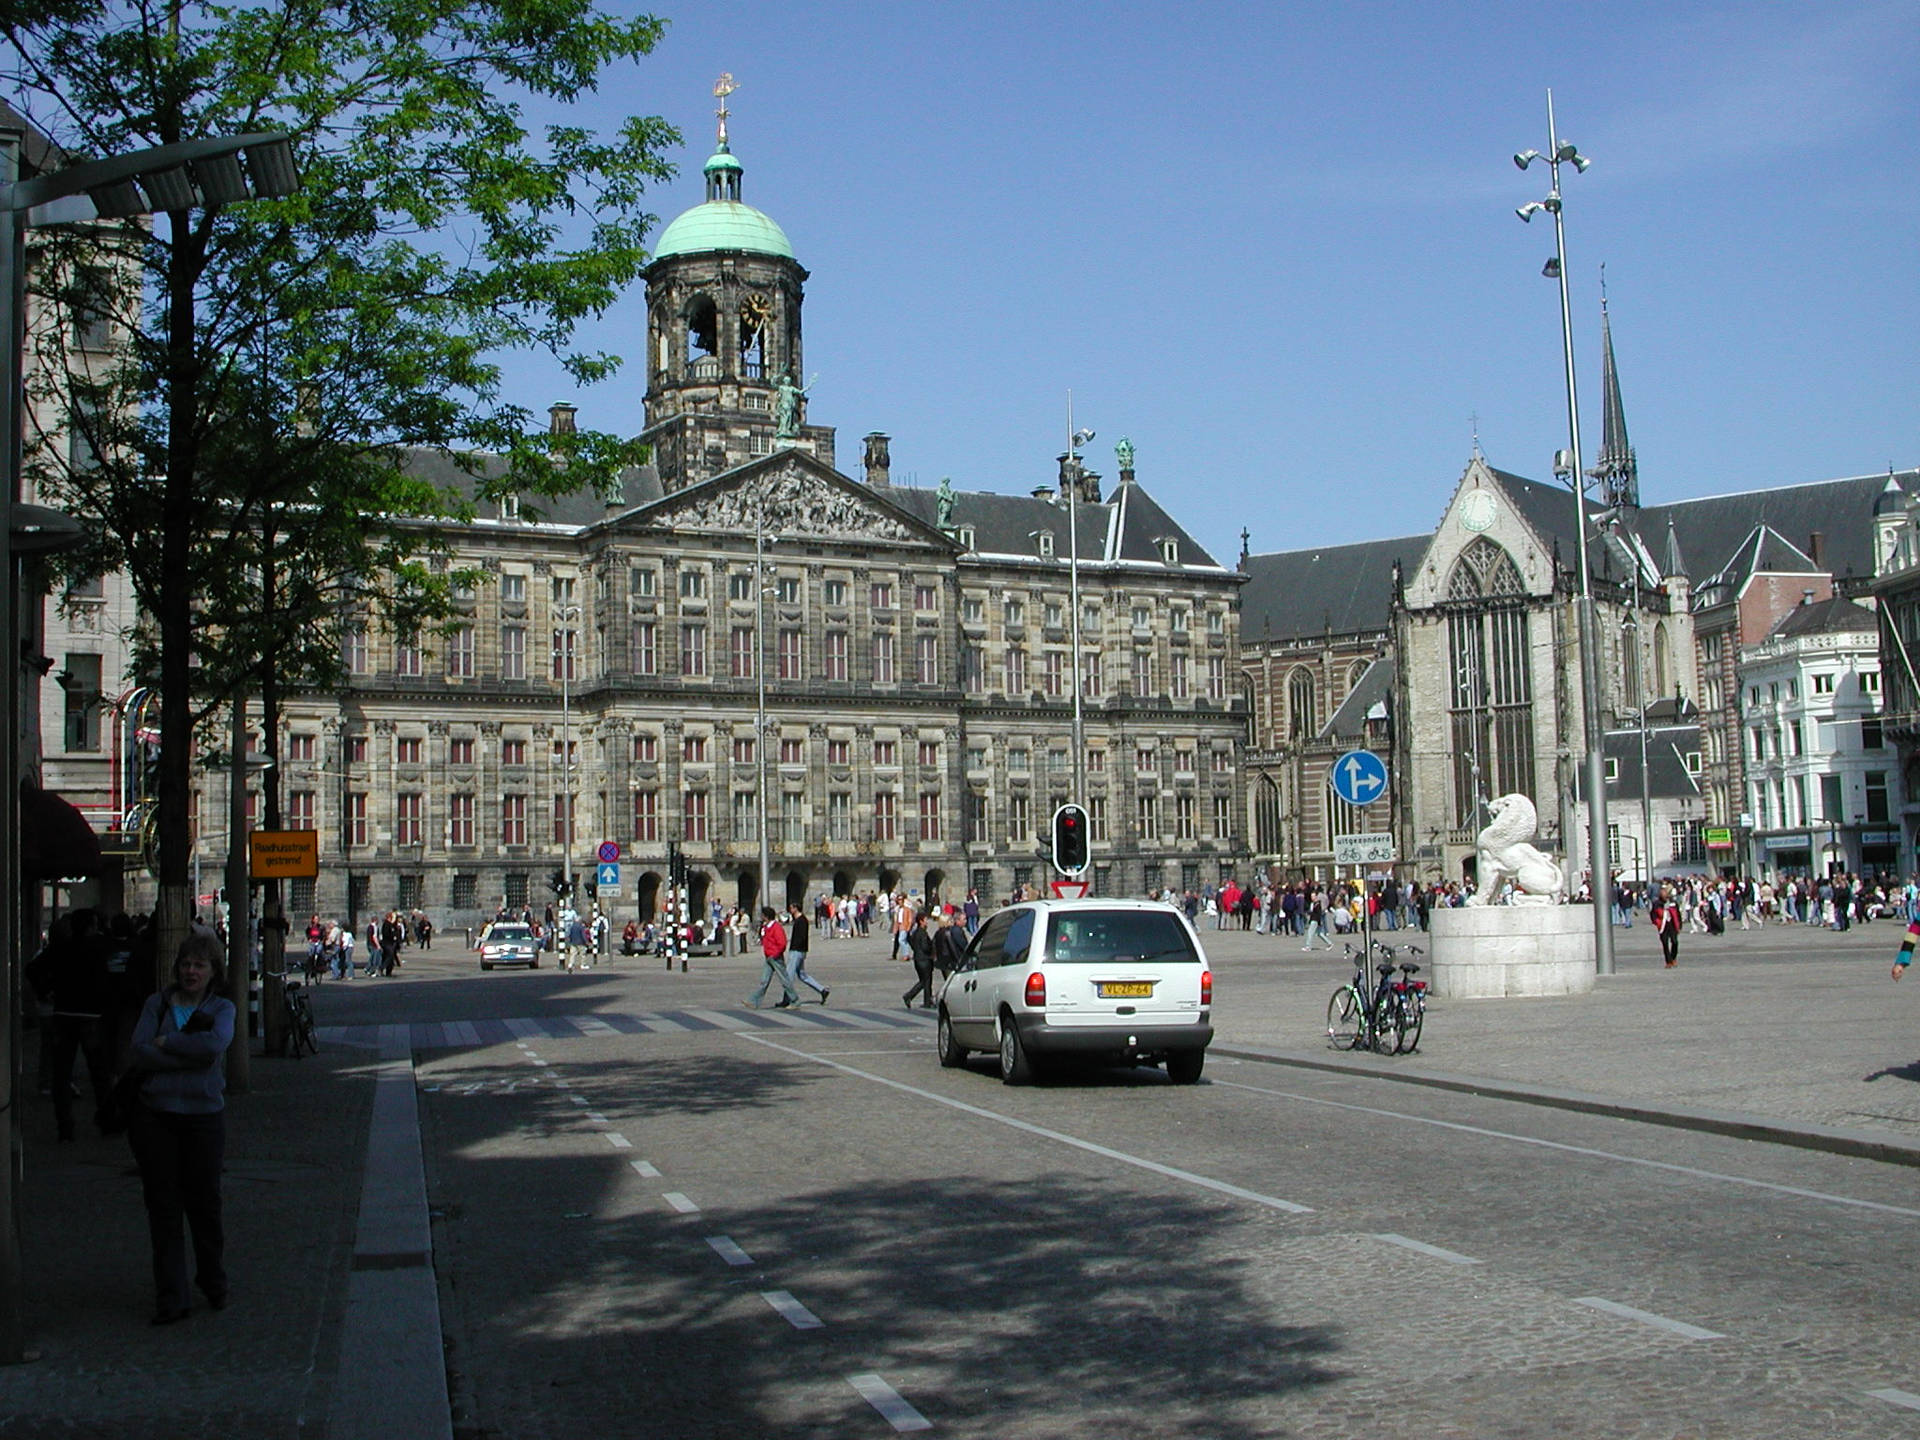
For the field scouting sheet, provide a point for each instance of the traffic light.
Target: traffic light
(1070, 839)
(557, 883)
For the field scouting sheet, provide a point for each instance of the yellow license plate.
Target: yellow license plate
(1126, 989)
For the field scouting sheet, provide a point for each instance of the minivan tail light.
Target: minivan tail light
(1206, 987)
(1037, 990)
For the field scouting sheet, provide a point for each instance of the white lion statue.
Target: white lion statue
(1506, 853)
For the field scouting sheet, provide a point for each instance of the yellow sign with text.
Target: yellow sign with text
(283, 854)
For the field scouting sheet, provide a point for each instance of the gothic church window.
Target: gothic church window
(1491, 680)
(1300, 705)
(1267, 817)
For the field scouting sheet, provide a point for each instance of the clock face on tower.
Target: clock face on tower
(1477, 510)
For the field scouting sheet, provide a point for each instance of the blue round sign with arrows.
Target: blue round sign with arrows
(1359, 777)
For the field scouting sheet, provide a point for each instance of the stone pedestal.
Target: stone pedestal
(1494, 951)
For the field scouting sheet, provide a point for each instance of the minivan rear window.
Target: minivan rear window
(1117, 937)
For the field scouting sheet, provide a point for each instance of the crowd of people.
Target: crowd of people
(330, 945)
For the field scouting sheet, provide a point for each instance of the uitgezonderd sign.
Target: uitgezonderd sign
(283, 854)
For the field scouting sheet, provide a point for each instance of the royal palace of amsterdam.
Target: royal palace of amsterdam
(914, 649)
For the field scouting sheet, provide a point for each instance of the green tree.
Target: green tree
(240, 440)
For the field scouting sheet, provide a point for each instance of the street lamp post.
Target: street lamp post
(760, 681)
(1562, 152)
(566, 617)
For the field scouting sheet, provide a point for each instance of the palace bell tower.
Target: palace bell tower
(725, 381)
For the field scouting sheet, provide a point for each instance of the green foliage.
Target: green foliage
(297, 355)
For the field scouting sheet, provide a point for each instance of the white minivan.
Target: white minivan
(1124, 981)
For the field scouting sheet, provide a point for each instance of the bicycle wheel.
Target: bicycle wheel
(1344, 1018)
(1388, 1017)
(299, 1026)
(1413, 1015)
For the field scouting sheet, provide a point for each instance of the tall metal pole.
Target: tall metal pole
(1073, 593)
(760, 679)
(12, 935)
(1596, 773)
(566, 614)
(239, 908)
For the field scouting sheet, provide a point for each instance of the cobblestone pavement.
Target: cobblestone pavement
(1803, 1026)
(1790, 1022)
(719, 1234)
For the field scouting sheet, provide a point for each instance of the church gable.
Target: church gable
(803, 499)
(1484, 546)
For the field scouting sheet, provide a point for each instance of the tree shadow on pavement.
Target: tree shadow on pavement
(1063, 1305)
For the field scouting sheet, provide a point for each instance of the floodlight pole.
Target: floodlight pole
(1595, 783)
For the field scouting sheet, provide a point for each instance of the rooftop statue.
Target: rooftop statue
(946, 502)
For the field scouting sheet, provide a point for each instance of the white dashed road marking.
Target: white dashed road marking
(619, 1142)
(1452, 1257)
(726, 1249)
(596, 1117)
(790, 1309)
(644, 1167)
(884, 1398)
(1659, 1322)
(1609, 1156)
(681, 1203)
(578, 1099)
(1897, 1397)
(1188, 1177)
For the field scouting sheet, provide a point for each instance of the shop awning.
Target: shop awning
(55, 839)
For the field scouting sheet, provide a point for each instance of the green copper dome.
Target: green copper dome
(724, 222)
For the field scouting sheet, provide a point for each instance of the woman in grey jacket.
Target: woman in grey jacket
(178, 1124)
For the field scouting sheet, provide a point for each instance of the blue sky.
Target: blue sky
(1276, 246)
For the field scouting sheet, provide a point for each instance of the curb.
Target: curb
(1859, 1144)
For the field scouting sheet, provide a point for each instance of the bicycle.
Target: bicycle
(1378, 1017)
(300, 1031)
(1406, 998)
(1354, 1011)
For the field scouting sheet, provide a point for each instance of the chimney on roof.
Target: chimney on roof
(560, 418)
(1817, 549)
(1806, 597)
(879, 461)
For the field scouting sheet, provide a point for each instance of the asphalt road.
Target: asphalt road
(807, 1228)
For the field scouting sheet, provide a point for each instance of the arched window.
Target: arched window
(703, 329)
(1268, 819)
(1663, 683)
(1300, 711)
(1491, 684)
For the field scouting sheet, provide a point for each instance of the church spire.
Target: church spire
(1615, 468)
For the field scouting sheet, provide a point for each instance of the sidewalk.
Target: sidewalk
(1789, 1033)
(264, 1367)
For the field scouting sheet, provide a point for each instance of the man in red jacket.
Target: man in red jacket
(773, 950)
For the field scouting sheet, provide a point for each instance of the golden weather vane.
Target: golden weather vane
(722, 88)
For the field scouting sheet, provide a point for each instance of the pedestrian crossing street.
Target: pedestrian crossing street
(473, 1034)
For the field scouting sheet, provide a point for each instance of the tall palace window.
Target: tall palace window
(1491, 691)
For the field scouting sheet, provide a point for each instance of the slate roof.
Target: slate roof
(1125, 526)
(1835, 616)
(1333, 590)
(1839, 510)
(1374, 687)
(1667, 775)
(1347, 589)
